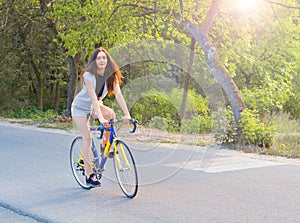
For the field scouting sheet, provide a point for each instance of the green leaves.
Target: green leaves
(164, 107)
(259, 50)
(254, 131)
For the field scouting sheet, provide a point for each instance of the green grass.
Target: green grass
(287, 145)
(287, 140)
(283, 123)
(47, 119)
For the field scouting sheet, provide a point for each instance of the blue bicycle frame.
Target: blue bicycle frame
(101, 162)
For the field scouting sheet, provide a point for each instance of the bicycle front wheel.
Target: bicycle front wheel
(76, 162)
(125, 169)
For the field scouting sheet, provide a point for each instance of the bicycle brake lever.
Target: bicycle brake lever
(101, 129)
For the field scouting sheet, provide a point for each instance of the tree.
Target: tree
(201, 33)
(80, 26)
(25, 65)
(187, 79)
(261, 58)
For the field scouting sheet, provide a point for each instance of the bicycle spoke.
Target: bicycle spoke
(125, 169)
(76, 161)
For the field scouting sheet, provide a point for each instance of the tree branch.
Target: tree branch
(44, 8)
(211, 15)
(283, 5)
(135, 6)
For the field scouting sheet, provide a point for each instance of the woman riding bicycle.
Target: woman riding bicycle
(100, 77)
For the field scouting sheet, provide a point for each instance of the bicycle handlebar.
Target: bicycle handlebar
(132, 121)
(112, 122)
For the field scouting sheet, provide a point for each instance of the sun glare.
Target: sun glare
(246, 5)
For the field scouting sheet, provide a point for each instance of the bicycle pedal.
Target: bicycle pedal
(81, 163)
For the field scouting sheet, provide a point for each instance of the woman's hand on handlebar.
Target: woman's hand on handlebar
(126, 118)
(103, 121)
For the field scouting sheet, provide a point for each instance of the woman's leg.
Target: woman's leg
(82, 125)
(107, 112)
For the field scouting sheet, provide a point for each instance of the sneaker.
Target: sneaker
(92, 181)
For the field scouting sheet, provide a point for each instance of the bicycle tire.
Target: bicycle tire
(77, 166)
(126, 172)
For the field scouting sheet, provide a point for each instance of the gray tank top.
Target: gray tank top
(82, 99)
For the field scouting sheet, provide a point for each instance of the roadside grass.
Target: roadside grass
(32, 116)
(287, 140)
(287, 145)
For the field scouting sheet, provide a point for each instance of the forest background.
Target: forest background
(250, 48)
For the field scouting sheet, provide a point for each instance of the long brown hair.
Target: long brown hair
(111, 70)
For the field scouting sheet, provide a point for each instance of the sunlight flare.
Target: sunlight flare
(246, 5)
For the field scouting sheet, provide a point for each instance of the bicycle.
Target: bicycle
(124, 164)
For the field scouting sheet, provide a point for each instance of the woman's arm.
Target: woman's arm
(94, 100)
(121, 101)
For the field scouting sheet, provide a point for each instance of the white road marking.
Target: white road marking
(225, 164)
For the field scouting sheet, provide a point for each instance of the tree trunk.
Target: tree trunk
(187, 79)
(200, 34)
(57, 96)
(73, 66)
(220, 73)
(40, 80)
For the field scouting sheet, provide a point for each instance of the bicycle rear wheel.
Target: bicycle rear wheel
(125, 169)
(77, 164)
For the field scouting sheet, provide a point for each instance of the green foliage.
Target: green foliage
(31, 63)
(158, 123)
(271, 96)
(254, 131)
(84, 25)
(287, 145)
(162, 109)
(152, 105)
(292, 105)
(226, 129)
(197, 124)
(284, 122)
(258, 48)
(32, 113)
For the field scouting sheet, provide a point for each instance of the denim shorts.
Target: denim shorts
(79, 111)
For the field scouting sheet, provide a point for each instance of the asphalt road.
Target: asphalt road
(177, 184)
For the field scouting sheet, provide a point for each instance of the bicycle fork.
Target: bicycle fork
(100, 162)
(116, 152)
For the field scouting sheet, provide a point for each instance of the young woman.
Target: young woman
(101, 77)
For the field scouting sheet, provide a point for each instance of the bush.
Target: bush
(154, 105)
(255, 132)
(226, 132)
(160, 108)
(198, 124)
(32, 113)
